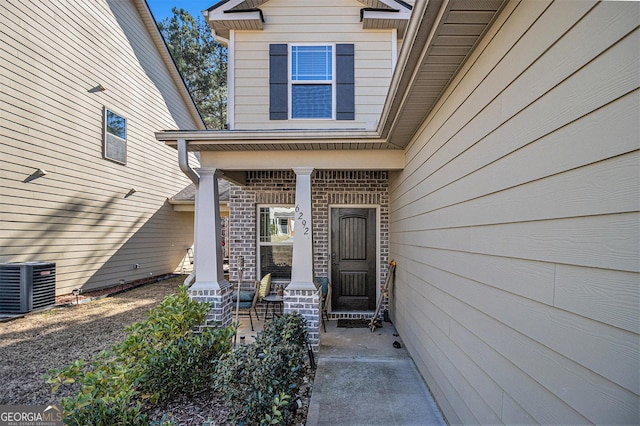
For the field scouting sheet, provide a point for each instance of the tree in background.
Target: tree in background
(202, 61)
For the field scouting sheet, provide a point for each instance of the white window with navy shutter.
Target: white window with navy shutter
(312, 86)
(311, 82)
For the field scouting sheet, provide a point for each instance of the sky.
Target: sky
(161, 9)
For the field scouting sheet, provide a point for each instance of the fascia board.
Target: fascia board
(395, 5)
(224, 6)
(378, 14)
(248, 136)
(161, 46)
(252, 15)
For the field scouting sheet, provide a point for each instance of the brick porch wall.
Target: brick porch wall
(349, 188)
(221, 307)
(329, 188)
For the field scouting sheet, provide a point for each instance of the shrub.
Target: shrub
(186, 365)
(290, 328)
(258, 381)
(159, 356)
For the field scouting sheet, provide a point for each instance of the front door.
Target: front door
(353, 259)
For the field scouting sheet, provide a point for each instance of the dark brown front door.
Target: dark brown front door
(353, 259)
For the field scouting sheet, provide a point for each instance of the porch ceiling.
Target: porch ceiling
(439, 38)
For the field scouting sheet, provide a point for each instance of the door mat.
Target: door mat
(353, 323)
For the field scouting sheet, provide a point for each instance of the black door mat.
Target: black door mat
(353, 323)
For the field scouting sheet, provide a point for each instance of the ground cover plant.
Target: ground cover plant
(261, 381)
(160, 357)
(40, 341)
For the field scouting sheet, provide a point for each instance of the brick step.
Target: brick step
(350, 315)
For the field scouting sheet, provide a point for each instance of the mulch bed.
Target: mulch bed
(83, 297)
(37, 342)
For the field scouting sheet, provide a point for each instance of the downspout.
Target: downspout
(183, 162)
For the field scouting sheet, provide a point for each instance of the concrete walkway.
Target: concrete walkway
(362, 379)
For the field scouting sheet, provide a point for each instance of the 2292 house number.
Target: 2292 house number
(302, 220)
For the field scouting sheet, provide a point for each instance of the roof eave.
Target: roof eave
(258, 139)
(397, 126)
(153, 30)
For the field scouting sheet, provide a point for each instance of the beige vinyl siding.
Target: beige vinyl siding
(51, 55)
(290, 21)
(515, 223)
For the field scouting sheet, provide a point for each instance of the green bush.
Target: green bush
(258, 381)
(159, 356)
(290, 328)
(186, 365)
(105, 412)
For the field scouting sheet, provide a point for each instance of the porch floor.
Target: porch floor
(362, 379)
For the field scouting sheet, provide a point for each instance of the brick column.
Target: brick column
(210, 285)
(306, 303)
(301, 294)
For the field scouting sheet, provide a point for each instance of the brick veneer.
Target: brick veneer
(307, 303)
(329, 188)
(221, 307)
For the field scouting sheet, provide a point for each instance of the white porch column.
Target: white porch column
(208, 240)
(301, 294)
(210, 285)
(302, 262)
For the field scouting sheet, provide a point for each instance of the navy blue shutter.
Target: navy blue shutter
(278, 82)
(345, 83)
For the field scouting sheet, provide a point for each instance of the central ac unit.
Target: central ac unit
(25, 286)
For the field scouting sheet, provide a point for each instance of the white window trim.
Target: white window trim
(333, 81)
(105, 110)
(260, 243)
(231, 80)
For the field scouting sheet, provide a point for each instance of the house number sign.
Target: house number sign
(303, 221)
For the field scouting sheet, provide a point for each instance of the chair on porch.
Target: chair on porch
(323, 284)
(248, 300)
(264, 287)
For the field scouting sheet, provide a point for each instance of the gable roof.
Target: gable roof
(188, 194)
(152, 28)
(228, 15)
(439, 29)
(252, 4)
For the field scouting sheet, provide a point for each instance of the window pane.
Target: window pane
(276, 260)
(276, 224)
(311, 101)
(116, 125)
(311, 63)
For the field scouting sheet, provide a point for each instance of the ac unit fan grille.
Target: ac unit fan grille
(10, 289)
(27, 286)
(44, 286)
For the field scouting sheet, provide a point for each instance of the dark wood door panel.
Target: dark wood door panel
(353, 250)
